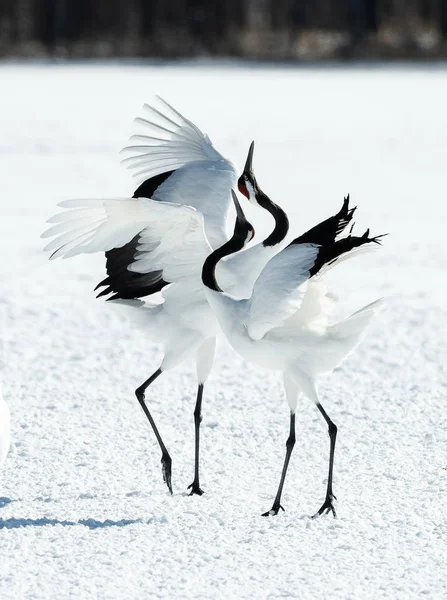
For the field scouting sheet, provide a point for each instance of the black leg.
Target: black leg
(166, 460)
(289, 447)
(195, 485)
(328, 503)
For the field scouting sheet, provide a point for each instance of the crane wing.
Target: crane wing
(171, 242)
(280, 288)
(171, 236)
(172, 141)
(279, 291)
(178, 163)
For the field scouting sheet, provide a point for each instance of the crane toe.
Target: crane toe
(327, 507)
(195, 489)
(273, 511)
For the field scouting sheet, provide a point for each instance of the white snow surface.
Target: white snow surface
(5, 434)
(84, 512)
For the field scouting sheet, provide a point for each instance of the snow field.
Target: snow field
(84, 512)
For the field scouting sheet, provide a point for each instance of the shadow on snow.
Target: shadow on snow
(90, 523)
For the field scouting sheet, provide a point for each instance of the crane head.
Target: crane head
(247, 183)
(243, 229)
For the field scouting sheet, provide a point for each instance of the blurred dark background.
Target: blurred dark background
(260, 29)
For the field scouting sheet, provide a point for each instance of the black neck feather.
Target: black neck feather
(281, 221)
(209, 266)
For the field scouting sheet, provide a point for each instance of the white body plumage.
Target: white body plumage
(305, 347)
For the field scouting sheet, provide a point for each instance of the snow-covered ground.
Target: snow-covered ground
(84, 512)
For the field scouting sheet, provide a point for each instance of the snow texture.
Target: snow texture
(84, 512)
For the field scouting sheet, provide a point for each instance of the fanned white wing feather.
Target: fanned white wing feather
(100, 225)
(279, 290)
(172, 239)
(202, 177)
(172, 141)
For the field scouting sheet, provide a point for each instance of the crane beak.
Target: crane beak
(249, 162)
(240, 213)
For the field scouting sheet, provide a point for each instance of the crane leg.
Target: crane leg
(328, 505)
(195, 485)
(289, 447)
(166, 460)
(204, 364)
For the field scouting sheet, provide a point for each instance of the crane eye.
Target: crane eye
(242, 187)
(252, 234)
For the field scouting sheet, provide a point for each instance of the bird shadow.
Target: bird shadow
(89, 523)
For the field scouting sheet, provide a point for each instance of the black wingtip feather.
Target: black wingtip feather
(328, 255)
(351, 212)
(105, 292)
(325, 233)
(376, 239)
(105, 281)
(125, 284)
